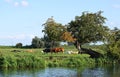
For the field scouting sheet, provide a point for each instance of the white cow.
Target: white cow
(71, 52)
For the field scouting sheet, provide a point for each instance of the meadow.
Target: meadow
(11, 57)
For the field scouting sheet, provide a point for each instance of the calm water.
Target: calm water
(98, 71)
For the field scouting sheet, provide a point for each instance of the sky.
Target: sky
(21, 20)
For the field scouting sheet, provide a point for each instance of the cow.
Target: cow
(58, 49)
(74, 52)
(47, 50)
(55, 50)
(71, 52)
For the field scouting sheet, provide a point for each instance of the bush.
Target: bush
(114, 50)
(18, 45)
(37, 42)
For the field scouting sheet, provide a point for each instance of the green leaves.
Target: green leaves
(114, 43)
(37, 42)
(53, 31)
(89, 27)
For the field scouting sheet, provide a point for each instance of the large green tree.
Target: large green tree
(87, 28)
(53, 30)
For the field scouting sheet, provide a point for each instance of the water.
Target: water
(97, 71)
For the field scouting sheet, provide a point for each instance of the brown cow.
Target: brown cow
(58, 49)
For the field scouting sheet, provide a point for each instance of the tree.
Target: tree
(37, 42)
(53, 31)
(114, 44)
(19, 45)
(87, 28)
(48, 44)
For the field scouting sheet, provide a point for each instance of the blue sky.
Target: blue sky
(21, 20)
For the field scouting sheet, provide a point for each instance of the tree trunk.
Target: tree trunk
(78, 46)
(52, 44)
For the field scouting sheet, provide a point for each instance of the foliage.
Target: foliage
(53, 31)
(18, 45)
(37, 42)
(88, 28)
(114, 44)
(66, 36)
(48, 44)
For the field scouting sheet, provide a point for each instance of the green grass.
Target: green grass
(21, 59)
(37, 59)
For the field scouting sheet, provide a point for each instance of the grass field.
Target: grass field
(22, 58)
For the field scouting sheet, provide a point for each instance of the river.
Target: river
(97, 71)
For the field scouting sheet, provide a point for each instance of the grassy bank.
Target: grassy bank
(37, 59)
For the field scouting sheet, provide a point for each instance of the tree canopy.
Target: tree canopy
(53, 30)
(87, 28)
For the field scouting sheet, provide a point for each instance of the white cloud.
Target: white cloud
(24, 3)
(8, 1)
(16, 4)
(116, 6)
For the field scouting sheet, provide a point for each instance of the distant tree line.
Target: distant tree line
(38, 43)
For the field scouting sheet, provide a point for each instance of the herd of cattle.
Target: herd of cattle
(92, 53)
(51, 50)
(57, 50)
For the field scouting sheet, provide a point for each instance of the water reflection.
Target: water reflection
(58, 72)
(99, 71)
(102, 71)
(48, 72)
(95, 72)
(19, 73)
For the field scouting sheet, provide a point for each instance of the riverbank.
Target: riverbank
(22, 58)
